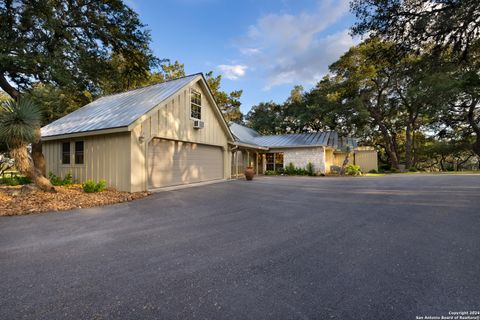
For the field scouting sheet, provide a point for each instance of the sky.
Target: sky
(263, 47)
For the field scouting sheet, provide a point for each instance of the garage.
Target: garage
(172, 163)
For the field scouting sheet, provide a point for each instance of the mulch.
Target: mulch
(13, 202)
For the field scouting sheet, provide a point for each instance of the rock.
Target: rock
(29, 188)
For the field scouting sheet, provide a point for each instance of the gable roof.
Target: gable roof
(120, 110)
(331, 139)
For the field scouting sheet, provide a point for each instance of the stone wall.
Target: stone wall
(300, 157)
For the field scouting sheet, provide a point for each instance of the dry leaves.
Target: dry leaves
(66, 198)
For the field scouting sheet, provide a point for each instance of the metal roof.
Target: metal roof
(114, 111)
(327, 138)
(243, 134)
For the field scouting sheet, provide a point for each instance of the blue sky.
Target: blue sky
(264, 47)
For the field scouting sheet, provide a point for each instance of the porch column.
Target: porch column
(236, 164)
(256, 162)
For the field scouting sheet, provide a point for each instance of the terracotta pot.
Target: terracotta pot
(249, 173)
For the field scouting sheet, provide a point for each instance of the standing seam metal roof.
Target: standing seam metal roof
(327, 138)
(114, 111)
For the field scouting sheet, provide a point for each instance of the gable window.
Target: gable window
(195, 104)
(66, 153)
(79, 152)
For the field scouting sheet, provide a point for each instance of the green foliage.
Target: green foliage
(412, 169)
(290, 169)
(58, 181)
(229, 103)
(353, 170)
(310, 169)
(15, 181)
(91, 186)
(71, 45)
(270, 173)
(18, 122)
(446, 25)
(373, 171)
(266, 118)
(55, 102)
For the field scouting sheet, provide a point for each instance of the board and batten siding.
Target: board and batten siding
(367, 160)
(171, 120)
(105, 157)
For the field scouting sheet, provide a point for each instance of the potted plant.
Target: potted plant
(249, 173)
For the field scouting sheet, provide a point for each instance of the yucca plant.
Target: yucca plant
(19, 123)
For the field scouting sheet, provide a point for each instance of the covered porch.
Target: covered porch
(243, 156)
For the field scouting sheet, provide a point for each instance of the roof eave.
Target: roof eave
(85, 133)
(297, 146)
(247, 145)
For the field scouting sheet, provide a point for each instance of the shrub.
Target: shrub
(279, 171)
(373, 171)
(412, 169)
(58, 181)
(91, 186)
(353, 170)
(394, 170)
(290, 169)
(310, 169)
(15, 181)
(384, 167)
(270, 173)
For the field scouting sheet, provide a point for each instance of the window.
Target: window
(270, 161)
(278, 160)
(66, 153)
(274, 161)
(78, 152)
(195, 104)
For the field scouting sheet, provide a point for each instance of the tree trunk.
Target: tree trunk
(408, 147)
(24, 164)
(476, 128)
(389, 146)
(36, 169)
(344, 164)
(38, 158)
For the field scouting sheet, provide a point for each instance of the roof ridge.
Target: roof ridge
(149, 85)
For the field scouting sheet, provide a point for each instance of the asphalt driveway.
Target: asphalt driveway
(392, 247)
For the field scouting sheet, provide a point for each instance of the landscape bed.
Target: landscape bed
(13, 202)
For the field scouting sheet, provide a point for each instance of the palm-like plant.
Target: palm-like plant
(19, 123)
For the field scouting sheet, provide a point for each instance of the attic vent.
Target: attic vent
(198, 124)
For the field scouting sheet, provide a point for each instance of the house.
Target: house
(168, 134)
(324, 150)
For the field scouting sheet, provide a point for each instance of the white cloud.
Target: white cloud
(234, 71)
(250, 51)
(297, 48)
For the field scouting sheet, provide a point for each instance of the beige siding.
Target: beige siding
(329, 160)
(105, 157)
(174, 163)
(171, 120)
(366, 159)
(339, 157)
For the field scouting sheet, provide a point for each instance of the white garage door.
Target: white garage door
(173, 163)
